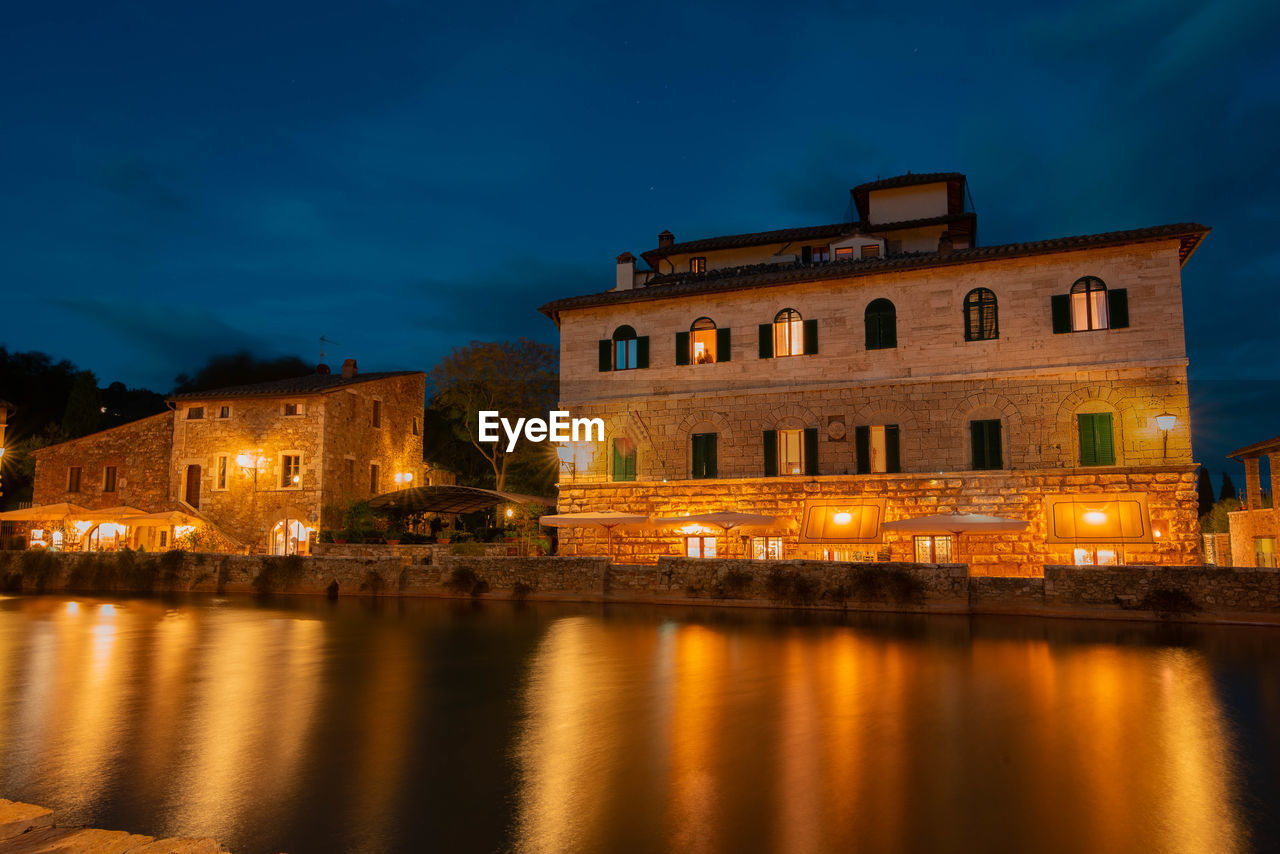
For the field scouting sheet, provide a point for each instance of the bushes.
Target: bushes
(464, 581)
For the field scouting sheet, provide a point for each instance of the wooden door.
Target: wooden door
(193, 486)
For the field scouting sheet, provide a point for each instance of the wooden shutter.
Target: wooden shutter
(1097, 443)
(766, 341)
(873, 331)
(893, 458)
(810, 337)
(995, 455)
(1061, 306)
(811, 450)
(606, 355)
(699, 456)
(1088, 441)
(1106, 440)
(682, 348)
(724, 345)
(889, 330)
(629, 462)
(806, 254)
(710, 454)
(642, 352)
(1118, 308)
(977, 437)
(770, 453)
(862, 443)
(619, 467)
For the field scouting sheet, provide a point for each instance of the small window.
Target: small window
(791, 452)
(704, 455)
(195, 413)
(224, 412)
(73, 479)
(377, 413)
(702, 341)
(788, 333)
(417, 428)
(877, 448)
(881, 319)
(625, 349)
(293, 409)
(766, 548)
(1097, 443)
(821, 254)
(1089, 304)
(624, 459)
(699, 546)
(373, 478)
(933, 549)
(109, 479)
(870, 250)
(164, 538)
(697, 265)
(290, 470)
(985, 437)
(981, 321)
(220, 478)
(844, 253)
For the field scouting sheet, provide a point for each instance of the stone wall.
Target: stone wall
(1246, 526)
(1170, 494)
(139, 450)
(1229, 589)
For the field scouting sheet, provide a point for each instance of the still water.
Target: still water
(306, 725)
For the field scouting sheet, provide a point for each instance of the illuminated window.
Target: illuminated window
(290, 470)
(626, 349)
(844, 253)
(766, 548)
(697, 265)
(292, 409)
(981, 321)
(702, 341)
(164, 538)
(699, 546)
(1264, 551)
(624, 459)
(791, 452)
(73, 479)
(195, 413)
(109, 479)
(933, 549)
(788, 333)
(220, 478)
(1088, 304)
(881, 320)
(985, 438)
(373, 478)
(1095, 557)
(877, 448)
(377, 413)
(870, 250)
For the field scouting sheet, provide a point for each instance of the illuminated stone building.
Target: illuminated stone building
(267, 464)
(887, 368)
(1255, 528)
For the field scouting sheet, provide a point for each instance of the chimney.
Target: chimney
(322, 369)
(626, 272)
(348, 369)
(666, 238)
(944, 243)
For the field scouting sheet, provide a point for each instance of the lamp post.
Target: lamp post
(1166, 421)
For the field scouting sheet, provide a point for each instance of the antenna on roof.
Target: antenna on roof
(324, 341)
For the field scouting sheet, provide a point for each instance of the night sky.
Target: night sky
(189, 179)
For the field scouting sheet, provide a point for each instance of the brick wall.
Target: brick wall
(139, 450)
(1245, 526)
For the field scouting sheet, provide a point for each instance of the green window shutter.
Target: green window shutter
(889, 331)
(606, 355)
(810, 337)
(619, 468)
(995, 453)
(724, 346)
(711, 454)
(811, 451)
(682, 348)
(862, 441)
(770, 453)
(642, 352)
(1106, 441)
(1061, 306)
(1088, 441)
(978, 440)
(893, 457)
(699, 456)
(1118, 308)
(766, 341)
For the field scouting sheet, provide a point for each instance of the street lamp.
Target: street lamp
(1166, 421)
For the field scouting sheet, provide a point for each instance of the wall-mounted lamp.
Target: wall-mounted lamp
(1166, 422)
(251, 464)
(404, 478)
(842, 518)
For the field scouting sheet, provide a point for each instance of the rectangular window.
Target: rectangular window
(195, 413)
(790, 452)
(1097, 444)
(373, 478)
(377, 413)
(702, 344)
(626, 354)
(1095, 557)
(877, 448)
(933, 549)
(844, 253)
(73, 479)
(822, 253)
(704, 455)
(870, 250)
(699, 546)
(624, 459)
(766, 548)
(224, 412)
(697, 265)
(290, 470)
(985, 436)
(164, 538)
(788, 336)
(109, 479)
(417, 428)
(292, 409)
(220, 476)
(1264, 551)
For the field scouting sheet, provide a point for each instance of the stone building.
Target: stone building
(887, 368)
(1255, 530)
(268, 464)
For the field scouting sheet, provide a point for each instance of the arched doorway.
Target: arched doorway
(290, 537)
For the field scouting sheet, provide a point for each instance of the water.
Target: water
(303, 725)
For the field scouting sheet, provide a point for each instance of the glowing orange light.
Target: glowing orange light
(842, 518)
(1095, 517)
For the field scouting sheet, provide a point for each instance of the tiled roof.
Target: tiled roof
(908, 180)
(1257, 449)
(762, 275)
(310, 384)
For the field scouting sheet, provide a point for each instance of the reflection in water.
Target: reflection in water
(315, 726)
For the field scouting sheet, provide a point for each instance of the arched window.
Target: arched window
(981, 319)
(702, 341)
(625, 355)
(788, 333)
(882, 325)
(1089, 304)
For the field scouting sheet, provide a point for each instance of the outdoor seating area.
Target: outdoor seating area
(70, 527)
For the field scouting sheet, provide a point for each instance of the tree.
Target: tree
(1215, 521)
(518, 380)
(1228, 488)
(1204, 490)
(84, 407)
(240, 368)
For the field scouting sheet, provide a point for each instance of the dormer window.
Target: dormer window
(697, 265)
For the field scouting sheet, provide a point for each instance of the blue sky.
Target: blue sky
(186, 179)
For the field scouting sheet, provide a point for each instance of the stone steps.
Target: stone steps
(29, 829)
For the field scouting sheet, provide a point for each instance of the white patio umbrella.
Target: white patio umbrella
(607, 519)
(725, 520)
(169, 519)
(120, 513)
(956, 524)
(44, 513)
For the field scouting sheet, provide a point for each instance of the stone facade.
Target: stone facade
(138, 451)
(1255, 530)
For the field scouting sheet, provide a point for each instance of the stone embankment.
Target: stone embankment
(29, 829)
(1134, 592)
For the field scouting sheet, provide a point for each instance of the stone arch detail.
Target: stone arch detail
(987, 402)
(888, 412)
(791, 412)
(1103, 398)
(705, 416)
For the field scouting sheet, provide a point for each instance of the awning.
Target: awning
(44, 513)
(1098, 518)
(607, 519)
(956, 523)
(450, 499)
(121, 513)
(856, 520)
